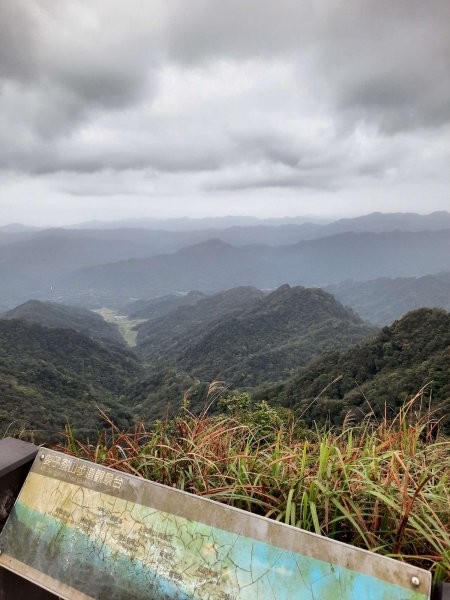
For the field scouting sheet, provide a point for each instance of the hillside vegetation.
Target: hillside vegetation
(60, 316)
(377, 375)
(163, 338)
(287, 347)
(383, 487)
(270, 338)
(51, 376)
(241, 336)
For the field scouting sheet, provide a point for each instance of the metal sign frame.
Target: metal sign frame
(66, 496)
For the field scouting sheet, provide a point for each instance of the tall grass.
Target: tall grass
(383, 486)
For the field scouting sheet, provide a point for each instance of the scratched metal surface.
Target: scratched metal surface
(86, 531)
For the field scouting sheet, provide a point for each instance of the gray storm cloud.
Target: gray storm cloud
(175, 97)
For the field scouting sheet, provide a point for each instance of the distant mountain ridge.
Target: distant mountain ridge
(208, 266)
(375, 222)
(382, 301)
(30, 268)
(215, 265)
(17, 228)
(169, 235)
(41, 263)
(378, 222)
(190, 224)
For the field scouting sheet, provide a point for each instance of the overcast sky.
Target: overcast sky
(112, 109)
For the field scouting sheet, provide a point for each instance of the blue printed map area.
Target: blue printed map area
(113, 549)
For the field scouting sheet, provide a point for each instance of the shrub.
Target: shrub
(383, 485)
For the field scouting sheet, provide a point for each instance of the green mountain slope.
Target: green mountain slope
(271, 338)
(159, 393)
(383, 371)
(265, 340)
(384, 300)
(162, 340)
(61, 316)
(49, 376)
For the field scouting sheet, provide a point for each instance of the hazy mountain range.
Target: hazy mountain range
(215, 265)
(375, 222)
(100, 266)
(383, 300)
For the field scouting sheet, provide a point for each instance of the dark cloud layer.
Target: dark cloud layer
(191, 97)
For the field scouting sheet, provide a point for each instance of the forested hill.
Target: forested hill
(384, 300)
(264, 340)
(51, 376)
(165, 337)
(384, 370)
(60, 316)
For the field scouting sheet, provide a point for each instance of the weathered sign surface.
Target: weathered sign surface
(85, 531)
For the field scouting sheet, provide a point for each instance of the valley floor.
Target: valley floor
(125, 324)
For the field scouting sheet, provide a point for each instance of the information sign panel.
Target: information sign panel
(85, 531)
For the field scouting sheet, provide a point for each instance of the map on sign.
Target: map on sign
(85, 531)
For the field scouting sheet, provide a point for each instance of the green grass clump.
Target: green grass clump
(382, 485)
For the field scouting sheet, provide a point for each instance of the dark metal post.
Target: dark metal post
(441, 592)
(16, 458)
